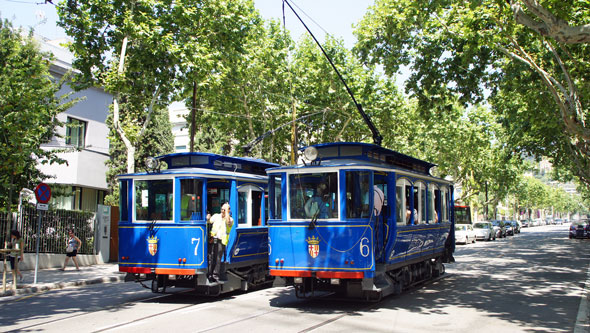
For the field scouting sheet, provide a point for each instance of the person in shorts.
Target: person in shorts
(73, 244)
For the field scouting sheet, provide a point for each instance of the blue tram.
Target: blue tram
(163, 232)
(360, 220)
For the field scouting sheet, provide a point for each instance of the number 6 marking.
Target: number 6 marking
(196, 247)
(365, 250)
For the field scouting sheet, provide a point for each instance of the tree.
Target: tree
(251, 98)
(29, 104)
(158, 140)
(146, 52)
(468, 48)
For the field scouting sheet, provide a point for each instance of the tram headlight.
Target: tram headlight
(151, 163)
(310, 153)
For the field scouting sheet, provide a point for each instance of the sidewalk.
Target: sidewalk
(53, 278)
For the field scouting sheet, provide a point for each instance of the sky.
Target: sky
(335, 17)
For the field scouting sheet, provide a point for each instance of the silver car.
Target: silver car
(464, 233)
(484, 231)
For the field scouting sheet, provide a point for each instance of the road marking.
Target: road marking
(582, 319)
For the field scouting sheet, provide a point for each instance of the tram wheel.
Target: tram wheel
(155, 286)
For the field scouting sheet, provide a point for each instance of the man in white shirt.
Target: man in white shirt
(220, 228)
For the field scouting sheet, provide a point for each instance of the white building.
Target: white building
(82, 182)
(177, 113)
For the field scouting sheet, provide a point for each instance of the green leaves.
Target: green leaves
(477, 51)
(28, 111)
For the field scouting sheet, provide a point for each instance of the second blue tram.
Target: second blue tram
(163, 232)
(360, 220)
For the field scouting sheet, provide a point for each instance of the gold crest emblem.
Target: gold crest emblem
(313, 246)
(152, 245)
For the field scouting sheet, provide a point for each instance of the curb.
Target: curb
(61, 285)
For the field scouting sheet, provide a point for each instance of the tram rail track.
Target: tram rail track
(283, 308)
(290, 304)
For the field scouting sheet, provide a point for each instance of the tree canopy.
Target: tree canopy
(525, 58)
(29, 104)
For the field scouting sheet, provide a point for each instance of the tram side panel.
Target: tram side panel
(249, 244)
(163, 249)
(296, 248)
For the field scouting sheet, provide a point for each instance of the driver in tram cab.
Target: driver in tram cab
(221, 225)
(318, 204)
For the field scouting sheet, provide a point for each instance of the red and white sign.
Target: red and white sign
(43, 193)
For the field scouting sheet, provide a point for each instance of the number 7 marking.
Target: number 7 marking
(198, 242)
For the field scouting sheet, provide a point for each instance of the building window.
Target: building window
(76, 132)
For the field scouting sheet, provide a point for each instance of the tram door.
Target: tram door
(249, 206)
(381, 225)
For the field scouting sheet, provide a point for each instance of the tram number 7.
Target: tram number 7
(198, 240)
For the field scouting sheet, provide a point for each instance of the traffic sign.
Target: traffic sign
(43, 193)
(42, 206)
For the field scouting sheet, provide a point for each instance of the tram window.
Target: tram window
(403, 189)
(444, 204)
(432, 211)
(123, 200)
(277, 199)
(216, 197)
(437, 204)
(313, 195)
(419, 203)
(243, 208)
(249, 206)
(191, 192)
(256, 208)
(153, 200)
(357, 194)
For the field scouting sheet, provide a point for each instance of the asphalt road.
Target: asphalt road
(532, 282)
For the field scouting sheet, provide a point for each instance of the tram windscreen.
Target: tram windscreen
(191, 193)
(153, 200)
(313, 195)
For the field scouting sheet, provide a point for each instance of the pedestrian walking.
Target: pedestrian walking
(16, 243)
(73, 244)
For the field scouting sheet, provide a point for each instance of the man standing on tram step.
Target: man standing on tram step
(220, 228)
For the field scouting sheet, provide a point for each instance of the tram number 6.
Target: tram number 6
(364, 247)
(198, 240)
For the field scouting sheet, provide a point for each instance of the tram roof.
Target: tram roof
(339, 153)
(216, 162)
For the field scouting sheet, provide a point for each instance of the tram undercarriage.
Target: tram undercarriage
(387, 281)
(234, 278)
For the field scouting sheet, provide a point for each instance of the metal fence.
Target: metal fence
(53, 234)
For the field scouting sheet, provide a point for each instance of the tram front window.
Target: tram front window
(191, 193)
(313, 195)
(153, 200)
(357, 194)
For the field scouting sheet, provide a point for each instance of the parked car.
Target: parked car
(580, 229)
(558, 221)
(499, 228)
(525, 223)
(515, 226)
(464, 233)
(484, 231)
(509, 228)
